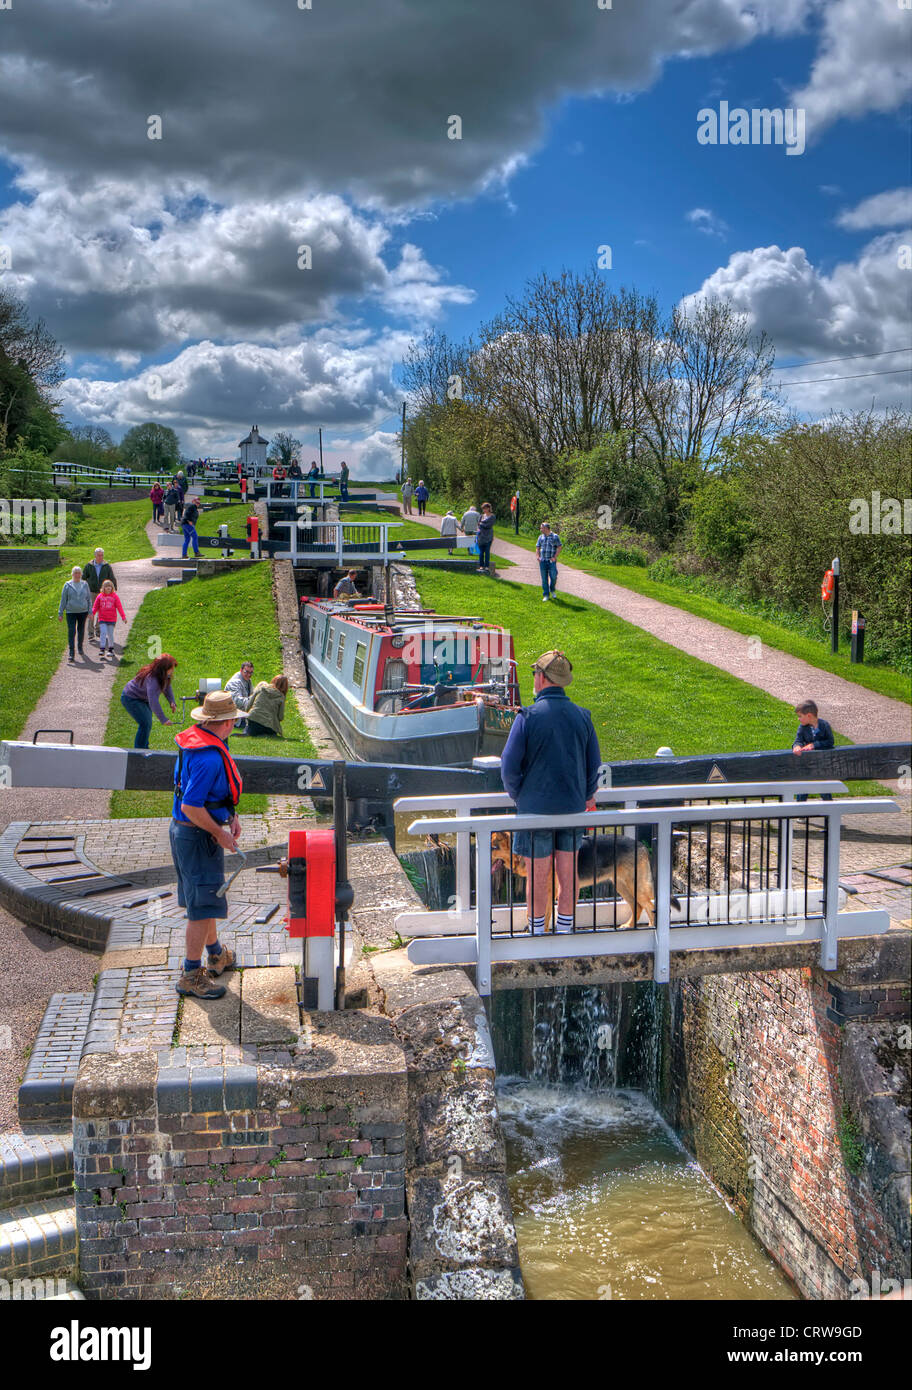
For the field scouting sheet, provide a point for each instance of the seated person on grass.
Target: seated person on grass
(267, 708)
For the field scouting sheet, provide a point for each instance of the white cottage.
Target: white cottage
(252, 450)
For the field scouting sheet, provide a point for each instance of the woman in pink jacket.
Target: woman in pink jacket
(106, 608)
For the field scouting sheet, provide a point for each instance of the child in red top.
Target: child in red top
(106, 608)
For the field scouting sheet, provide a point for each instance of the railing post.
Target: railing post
(662, 957)
(785, 848)
(463, 871)
(339, 539)
(829, 946)
(483, 910)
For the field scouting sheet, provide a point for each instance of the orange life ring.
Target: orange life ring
(826, 588)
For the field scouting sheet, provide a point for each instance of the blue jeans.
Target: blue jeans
(140, 711)
(190, 538)
(824, 796)
(343, 491)
(548, 571)
(484, 555)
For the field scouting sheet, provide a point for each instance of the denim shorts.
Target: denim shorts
(200, 864)
(536, 844)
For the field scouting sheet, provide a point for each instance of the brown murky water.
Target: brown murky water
(608, 1205)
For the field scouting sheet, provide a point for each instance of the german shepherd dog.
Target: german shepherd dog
(602, 859)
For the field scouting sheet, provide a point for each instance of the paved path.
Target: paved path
(33, 965)
(860, 714)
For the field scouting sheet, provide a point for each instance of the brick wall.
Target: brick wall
(753, 1082)
(239, 1181)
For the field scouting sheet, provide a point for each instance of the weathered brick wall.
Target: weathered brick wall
(753, 1082)
(244, 1183)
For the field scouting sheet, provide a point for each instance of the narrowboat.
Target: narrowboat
(400, 686)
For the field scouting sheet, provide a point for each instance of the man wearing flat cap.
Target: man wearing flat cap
(204, 824)
(550, 766)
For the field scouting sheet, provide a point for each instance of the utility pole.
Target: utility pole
(321, 449)
(402, 464)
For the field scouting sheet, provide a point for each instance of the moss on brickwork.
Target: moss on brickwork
(718, 1138)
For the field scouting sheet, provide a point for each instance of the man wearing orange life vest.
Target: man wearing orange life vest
(204, 824)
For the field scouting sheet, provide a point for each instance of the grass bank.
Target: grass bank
(209, 626)
(33, 640)
(642, 693)
(885, 680)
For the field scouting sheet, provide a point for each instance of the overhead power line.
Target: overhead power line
(854, 376)
(820, 361)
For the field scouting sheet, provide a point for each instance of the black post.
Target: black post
(516, 515)
(834, 630)
(343, 900)
(321, 451)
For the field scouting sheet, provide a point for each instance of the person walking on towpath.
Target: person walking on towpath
(75, 601)
(204, 824)
(95, 573)
(343, 481)
(106, 608)
(189, 518)
(485, 537)
(141, 696)
(156, 497)
(550, 766)
(421, 496)
(172, 501)
(449, 527)
(470, 519)
(547, 548)
(407, 491)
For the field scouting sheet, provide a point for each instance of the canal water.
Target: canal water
(609, 1205)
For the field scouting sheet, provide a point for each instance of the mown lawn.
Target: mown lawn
(33, 640)
(642, 693)
(885, 680)
(210, 626)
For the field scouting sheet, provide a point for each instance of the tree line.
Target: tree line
(658, 438)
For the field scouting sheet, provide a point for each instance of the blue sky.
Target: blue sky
(167, 271)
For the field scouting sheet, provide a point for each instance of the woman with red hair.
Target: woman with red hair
(142, 695)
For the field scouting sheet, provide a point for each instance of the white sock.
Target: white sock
(565, 921)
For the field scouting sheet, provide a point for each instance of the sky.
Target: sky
(171, 268)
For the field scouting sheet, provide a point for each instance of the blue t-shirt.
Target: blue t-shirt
(204, 779)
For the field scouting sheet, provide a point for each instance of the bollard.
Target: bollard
(858, 637)
(253, 535)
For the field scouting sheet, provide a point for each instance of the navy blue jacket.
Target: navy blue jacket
(823, 738)
(551, 759)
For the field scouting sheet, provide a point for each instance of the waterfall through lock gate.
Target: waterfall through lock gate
(608, 1203)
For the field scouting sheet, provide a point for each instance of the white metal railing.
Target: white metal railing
(345, 540)
(487, 933)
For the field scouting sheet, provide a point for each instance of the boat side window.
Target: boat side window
(340, 650)
(358, 668)
(329, 644)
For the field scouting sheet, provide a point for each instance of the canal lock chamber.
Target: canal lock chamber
(738, 1135)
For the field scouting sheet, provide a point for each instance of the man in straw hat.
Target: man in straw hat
(207, 789)
(550, 766)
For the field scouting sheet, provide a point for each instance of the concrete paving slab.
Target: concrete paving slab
(143, 955)
(269, 1010)
(214, 1021)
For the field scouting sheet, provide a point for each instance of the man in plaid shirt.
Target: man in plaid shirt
(547, 548)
